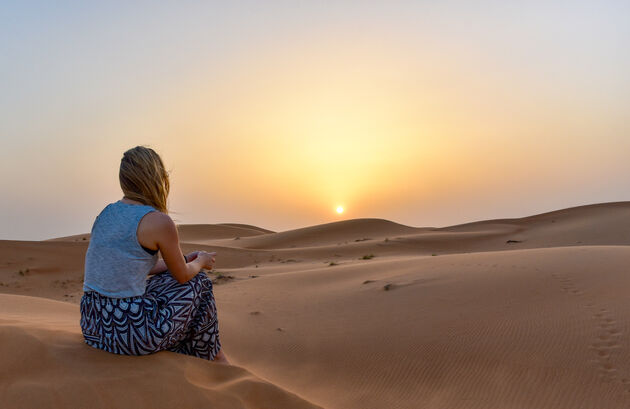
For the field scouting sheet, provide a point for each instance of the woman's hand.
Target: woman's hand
(207, 259)
(191, 256)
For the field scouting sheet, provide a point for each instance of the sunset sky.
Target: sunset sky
(274, 113)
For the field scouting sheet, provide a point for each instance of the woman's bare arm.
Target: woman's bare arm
(167, 239)
(160, 266)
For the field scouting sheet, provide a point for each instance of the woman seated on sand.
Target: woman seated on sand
(123, 312)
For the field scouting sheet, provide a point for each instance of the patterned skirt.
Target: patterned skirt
(169, 316)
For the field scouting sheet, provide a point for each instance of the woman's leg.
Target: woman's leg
(118, 325)
(198, 334)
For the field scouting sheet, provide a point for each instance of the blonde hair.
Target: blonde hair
(143, 177)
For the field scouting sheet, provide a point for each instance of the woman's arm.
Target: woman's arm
(160, 266)
(167, 240)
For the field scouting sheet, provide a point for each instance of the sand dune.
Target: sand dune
(45, 364)
(201, 233)
(75, 237)
(247, 226)
(599, 224)
(337, 232)
(508, 313)
(539, 328)
(195, 233)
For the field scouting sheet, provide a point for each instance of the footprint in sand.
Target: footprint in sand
(606, 346)
(566, 284)
(607, 340)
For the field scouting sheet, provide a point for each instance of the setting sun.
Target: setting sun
(339, 209)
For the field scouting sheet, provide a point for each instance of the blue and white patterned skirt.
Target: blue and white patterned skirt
(169, 316)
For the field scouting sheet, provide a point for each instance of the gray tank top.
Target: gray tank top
(116, 264)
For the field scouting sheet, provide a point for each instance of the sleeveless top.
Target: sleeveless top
(116, 264)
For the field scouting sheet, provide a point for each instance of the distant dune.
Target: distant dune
(201, 233)
(330, 233)
(509, 313)
(75, 237)
(193, 233)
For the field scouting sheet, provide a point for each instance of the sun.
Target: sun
(339, 209)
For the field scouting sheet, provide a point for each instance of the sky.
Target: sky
(275, 113)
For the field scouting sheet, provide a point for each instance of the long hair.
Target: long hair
(143, 177)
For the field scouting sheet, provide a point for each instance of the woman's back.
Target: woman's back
(116, 264)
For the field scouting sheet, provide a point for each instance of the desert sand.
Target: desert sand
(513, 313)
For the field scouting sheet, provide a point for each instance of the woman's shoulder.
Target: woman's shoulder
(156, 227)
(157, 221)
(158, 217)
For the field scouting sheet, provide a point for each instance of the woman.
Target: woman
(123, 312)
